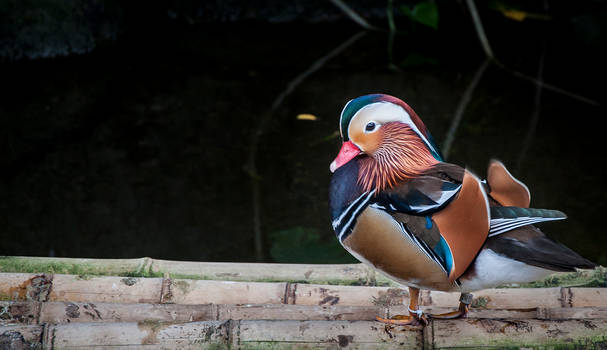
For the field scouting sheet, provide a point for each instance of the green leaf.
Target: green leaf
(425, 13)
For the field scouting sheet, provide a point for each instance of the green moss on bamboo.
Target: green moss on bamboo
(23, 265)
(135, 274)
(81, 269)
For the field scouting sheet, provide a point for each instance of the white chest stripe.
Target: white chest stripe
(337, 221)
(361, 205)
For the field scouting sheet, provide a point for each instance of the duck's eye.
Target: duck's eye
(370, 126)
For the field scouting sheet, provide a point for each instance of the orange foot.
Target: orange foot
(415, 319)
(462, 311)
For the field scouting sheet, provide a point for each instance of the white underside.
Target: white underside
(492, 270)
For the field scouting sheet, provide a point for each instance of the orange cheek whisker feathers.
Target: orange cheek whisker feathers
(402, 155)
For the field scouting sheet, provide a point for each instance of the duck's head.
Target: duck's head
(393, 142)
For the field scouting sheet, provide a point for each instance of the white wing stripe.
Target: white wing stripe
(511, 224)
(423, 246)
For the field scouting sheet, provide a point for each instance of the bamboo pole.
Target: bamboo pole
(109, 289)
(581, 313)
(513, 298)
(225, 292)
(24, 313)
(70, 312)
(75, 266)
(152, 335)
(323, 334)
(259, 334)
(313, 294)
(347, 274)
(583, 334)
(299, 312)
(581, 297)
(343, 274)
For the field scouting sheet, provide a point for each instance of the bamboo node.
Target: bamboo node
(145, 266)
(290, 296)
(566, 297)
(166, 295)
(542, 313)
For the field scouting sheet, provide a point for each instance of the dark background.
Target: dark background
(126, 127)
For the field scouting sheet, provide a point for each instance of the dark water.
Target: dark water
(140, 147)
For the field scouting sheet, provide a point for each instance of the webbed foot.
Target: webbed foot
(415, 318)
(464, 305)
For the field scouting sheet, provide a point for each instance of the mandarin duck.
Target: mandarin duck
(428, 224)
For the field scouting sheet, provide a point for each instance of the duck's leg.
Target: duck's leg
(464, 304)
(415, 317)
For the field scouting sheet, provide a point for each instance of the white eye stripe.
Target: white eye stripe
(387, 112)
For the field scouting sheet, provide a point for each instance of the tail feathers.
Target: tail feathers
(504, 219)
(530, 246)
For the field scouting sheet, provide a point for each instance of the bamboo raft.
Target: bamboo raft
(60, 303)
